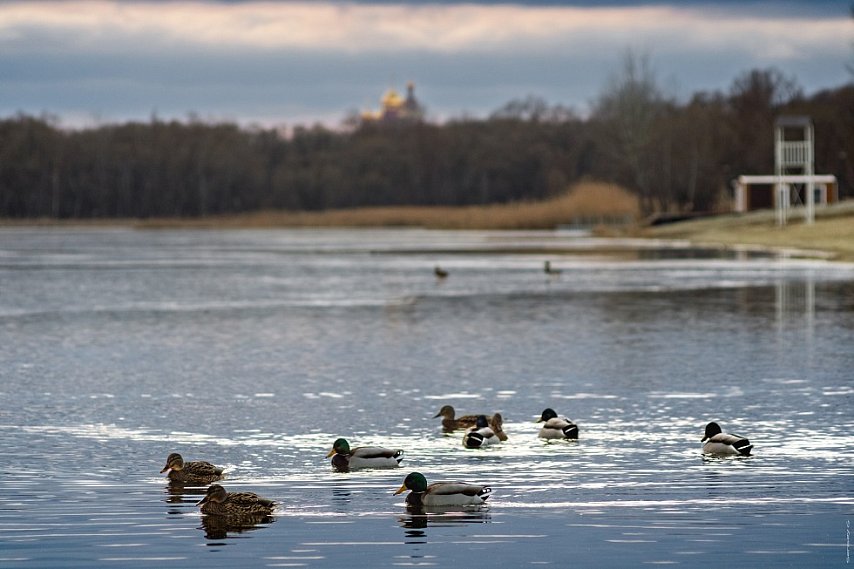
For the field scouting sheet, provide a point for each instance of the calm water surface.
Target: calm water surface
(256, 349)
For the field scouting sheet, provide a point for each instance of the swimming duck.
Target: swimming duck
(218, 502)
(557, 426)
(440, 272)
(449, 423)
(441, 493)
(344, 459)
(547, 268)
(496, 423)
(480, 435)
(196, 472)
(718, 442)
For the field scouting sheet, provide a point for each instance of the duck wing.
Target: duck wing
(249, 500)
(375, 452)
(450, 488)
(202, 468)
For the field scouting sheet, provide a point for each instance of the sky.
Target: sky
(275, 63)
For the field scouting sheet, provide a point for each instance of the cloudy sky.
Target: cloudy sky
(274, 62)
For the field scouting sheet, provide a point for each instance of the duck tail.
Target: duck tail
(743, 447)
(571, 431)
(473, 440)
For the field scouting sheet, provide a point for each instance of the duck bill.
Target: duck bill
(704, 439)
(332, 452)
(165, 468)
(202, 501)
(437, 415)
(401, 490)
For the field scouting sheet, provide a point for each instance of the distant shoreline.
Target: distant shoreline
(830, 237)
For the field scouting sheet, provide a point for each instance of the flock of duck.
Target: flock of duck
(479, 431)
(442, 274)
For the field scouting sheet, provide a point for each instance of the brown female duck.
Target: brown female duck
(194, 473)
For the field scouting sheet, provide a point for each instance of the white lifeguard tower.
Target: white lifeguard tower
(794, 181)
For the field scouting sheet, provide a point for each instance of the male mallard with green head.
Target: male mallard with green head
(194, 473)
(442, 493)
(557, 426)
(480, 435)
(717, 442)
(345, 459)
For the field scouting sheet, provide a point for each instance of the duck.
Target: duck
(717, 442)
(218, 502)
(440, 272)
(442, 493)
(345, 459)
(480, 435)
(196, 472)
(496, 423)
(556, 426)
(449, 423)
(547, 268)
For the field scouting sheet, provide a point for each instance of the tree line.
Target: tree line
(676, 156)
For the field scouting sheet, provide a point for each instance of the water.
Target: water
(256, 349)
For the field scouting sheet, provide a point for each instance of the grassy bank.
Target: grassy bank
(588, 203)
(831, 234)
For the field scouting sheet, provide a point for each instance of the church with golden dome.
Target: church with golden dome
(395, 109)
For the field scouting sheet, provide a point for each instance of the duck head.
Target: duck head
(174, 462)
(216, 493)
(340, 446)
(547, 414)
(447, 412)
(712, 429)
(415, 482)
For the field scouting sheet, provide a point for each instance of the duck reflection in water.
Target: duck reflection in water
(176, 493)
(218, 527)
(421, 518)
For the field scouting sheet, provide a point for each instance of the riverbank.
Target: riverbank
(608, 209)
(831, 236)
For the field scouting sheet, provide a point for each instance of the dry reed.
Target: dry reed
(584, 203)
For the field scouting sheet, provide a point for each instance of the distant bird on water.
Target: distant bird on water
(345, 459)
(557, 426)
(547, 268)
(480, 435)
(440, 272)
(442, 493)
(193, 473)
(720, 443)
(218, 502)
(450, 423)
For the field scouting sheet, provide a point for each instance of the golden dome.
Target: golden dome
(391, 100)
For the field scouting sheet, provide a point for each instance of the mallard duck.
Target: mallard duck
(557, 426)
(442, 493)
(440, 272)
(197, 472)
(480, 435)
(718, 442)
(496, 423)
(449, 423)
(218, 502)
(344, 459)
(547, 268)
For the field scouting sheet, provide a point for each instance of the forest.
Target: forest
(676, 156)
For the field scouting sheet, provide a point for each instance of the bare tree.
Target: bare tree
(629, 107)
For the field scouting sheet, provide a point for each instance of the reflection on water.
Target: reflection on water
(256, 349)
(420, 518)
(219, 527)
